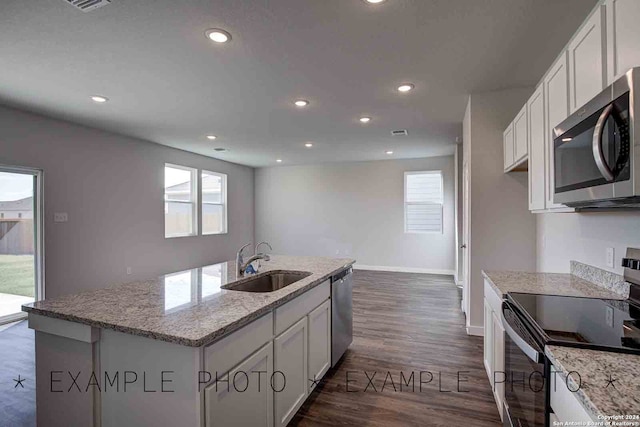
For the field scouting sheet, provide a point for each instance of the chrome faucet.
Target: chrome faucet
(241, 265)
(255, 251)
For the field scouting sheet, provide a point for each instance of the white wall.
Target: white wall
(584, 237)
(352, 209)
(503, 231)
(112, 188)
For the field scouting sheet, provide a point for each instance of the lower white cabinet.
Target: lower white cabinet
(268, 379)
(494, 343)
(319, 343)
(244, 396)
(565, 404)
(292, 385)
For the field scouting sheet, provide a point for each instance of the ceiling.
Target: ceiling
(167, 83)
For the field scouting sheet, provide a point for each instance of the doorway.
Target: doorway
(21, 249)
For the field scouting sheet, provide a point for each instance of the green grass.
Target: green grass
(16, 275)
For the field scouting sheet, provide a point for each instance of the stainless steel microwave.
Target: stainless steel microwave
(596, 150)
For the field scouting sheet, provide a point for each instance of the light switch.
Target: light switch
(60, 217)
(610, 257)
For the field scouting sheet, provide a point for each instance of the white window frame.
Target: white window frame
(193, 202)
(223, 204)
(434, 172)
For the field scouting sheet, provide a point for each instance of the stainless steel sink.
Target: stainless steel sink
(269, 282)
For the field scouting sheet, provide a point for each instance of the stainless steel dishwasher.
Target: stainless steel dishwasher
(341, 313)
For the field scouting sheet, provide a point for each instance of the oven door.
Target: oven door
(525, 385)
(593, 152)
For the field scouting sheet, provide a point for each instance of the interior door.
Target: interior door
(466, 236)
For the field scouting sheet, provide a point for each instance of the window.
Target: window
(423, 200)
(214, 203)
(180, 201)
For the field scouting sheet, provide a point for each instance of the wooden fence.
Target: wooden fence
(16, 237)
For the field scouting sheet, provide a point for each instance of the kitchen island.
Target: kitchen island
(183, 350)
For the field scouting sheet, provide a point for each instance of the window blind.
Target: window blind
(423, 201)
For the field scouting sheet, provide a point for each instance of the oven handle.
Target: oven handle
(532, 353)
(598, 155)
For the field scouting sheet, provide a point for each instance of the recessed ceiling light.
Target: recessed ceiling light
(217, 35)
(567, 139)
(211, 137)
(99, 99)
(365, 119)
(375, 1)
(308, 144)
(405, 87)
(279, 160)
(301, 103)
(389, 152)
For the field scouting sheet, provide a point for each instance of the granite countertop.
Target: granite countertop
(188, 307)
(607, 384)
(547, 284)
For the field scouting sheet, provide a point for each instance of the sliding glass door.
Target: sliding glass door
(21, 261)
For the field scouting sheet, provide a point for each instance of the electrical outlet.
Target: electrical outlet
(129, 271)
(610, 257)
(608, 317)
(60, 217)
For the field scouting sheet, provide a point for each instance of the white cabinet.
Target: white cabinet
(520, 136)
(319, 343)
(509, 149)
(494, 343)
(291, 384)
(587, 60)
(623, 35)
(537, 141)
(556, 92)
(243, 397)
(516, 142)
(565, 404)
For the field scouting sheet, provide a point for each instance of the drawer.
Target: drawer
(565, 403)
(223, 355)
(289, 313)
(493, 298)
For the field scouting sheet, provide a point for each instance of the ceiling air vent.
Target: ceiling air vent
(402, 132)
(220, 149)
(88, 5)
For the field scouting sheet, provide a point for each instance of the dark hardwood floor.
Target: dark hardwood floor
(17, 357)
(403, 324)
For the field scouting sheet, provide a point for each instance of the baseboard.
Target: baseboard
(477, 331)
(404, 269)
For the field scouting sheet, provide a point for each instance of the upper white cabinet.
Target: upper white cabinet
(556, 93)
(587, 60)
(520, 135)
(623, 36)
(509, 150)
(537, 140)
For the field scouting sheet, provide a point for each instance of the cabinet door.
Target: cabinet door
(319, 343)
(508, 147)
(246, 399)
(535, 112)
(290, 372)
(488, 340)
(623, 34)
(498, 361)
(520, 135)
(587, 60)
(556, 95)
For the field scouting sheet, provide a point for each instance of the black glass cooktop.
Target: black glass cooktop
(582, 322)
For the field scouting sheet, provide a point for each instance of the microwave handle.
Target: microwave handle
(598, 155)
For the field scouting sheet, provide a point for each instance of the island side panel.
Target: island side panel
(64, 362)
(144, 363)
